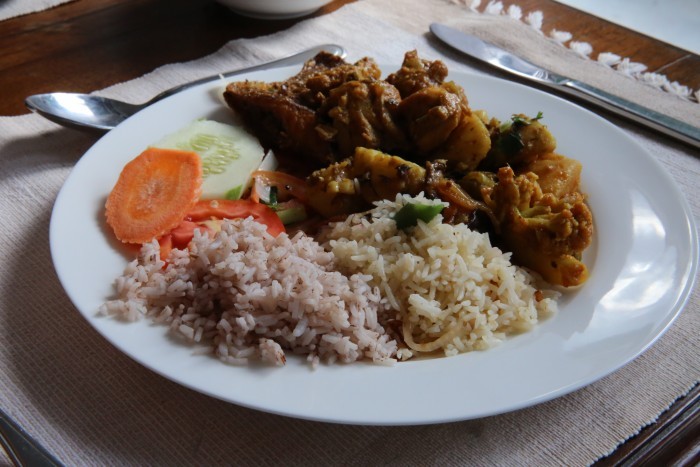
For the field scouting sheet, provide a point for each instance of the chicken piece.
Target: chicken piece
(436, 115)
(353, 184)
(430, 116)
(556, 174)
(283, 114)
(279, 122)
(361, 114)
(318, 81)
(545, 233)
(416, 74)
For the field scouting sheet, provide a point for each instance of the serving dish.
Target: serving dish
(274, 9)
(643, 260)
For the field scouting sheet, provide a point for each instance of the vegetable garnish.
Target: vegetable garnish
(206, 216)
(408, 215)
(153, 194)
(229, 154)
(181, 236)
(517, 119)
(510, 141)
(206, 210)
(291, 211)
(287, 186)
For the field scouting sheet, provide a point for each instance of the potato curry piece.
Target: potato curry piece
(353, 184)
(520, 140)
(436, 115)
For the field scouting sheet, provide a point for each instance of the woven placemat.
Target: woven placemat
(90, 405)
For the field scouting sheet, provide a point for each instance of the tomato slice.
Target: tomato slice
(288, 186)
(236, 209)
(165, 242)
(183, 233)
(219, 209)
(179, 237)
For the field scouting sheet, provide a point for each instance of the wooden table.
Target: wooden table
(88, 45)
(91, 44)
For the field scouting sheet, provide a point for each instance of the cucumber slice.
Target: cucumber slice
(229, 156)
(292, 214)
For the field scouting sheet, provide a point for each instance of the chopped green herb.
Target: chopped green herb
(519, 120)
(290, 215)
(510, 143)
(408, 215)
(273, 196)
(234, 193)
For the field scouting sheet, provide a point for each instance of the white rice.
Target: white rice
(246, 295)
(452, 290)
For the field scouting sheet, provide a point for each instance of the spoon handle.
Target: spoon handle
(22, 449)
(289, 60)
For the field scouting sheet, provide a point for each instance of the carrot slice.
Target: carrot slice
(153, 193)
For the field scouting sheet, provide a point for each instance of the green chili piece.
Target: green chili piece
(408, 215)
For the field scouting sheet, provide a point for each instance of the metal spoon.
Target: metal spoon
(102, 113)
(22, 449)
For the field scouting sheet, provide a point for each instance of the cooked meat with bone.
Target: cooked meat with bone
(283, 114)
(436, 115)
(331, 107)
(362, 113)
(278, 120)
(430, 115)
(326, 72)
(416, 74)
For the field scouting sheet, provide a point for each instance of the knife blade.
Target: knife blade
(510, 63)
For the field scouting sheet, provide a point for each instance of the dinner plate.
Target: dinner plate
(643, 260)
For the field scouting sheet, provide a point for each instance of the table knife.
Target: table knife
(506, 61)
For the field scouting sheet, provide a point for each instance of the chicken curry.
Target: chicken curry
(357, 138)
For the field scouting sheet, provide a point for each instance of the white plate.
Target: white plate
(642, 260)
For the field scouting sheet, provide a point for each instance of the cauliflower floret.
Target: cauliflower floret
(545, 232)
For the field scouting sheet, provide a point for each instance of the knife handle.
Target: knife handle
(637, 113)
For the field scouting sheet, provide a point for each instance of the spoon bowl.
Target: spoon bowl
(96, 113)
(82, 111)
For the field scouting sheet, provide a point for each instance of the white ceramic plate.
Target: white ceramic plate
(642, 260)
